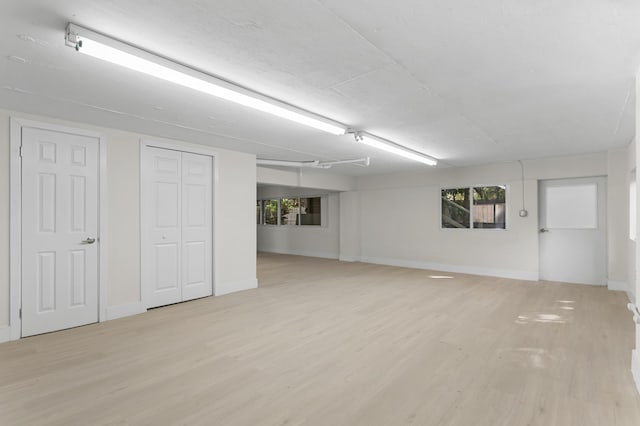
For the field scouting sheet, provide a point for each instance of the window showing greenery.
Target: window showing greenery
(456, 211)
(270, 212)
(487, 209)
(289, 209)
(310, 211)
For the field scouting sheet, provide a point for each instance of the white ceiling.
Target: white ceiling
(465, 81)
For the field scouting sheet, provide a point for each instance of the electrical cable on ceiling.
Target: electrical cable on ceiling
(316, 164)
(523, 212)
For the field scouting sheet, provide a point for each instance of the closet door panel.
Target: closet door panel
(163, 221)
(197, 226)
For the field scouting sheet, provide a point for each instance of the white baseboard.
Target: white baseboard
(125, 310)
(232, 287)
(5, 333)
(307, 253)
(617, 285)
(635, 367)
(462, 269)
(631, 297)
(342, 258)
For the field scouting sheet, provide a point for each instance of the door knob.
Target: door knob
(89, 241)
(543, 230)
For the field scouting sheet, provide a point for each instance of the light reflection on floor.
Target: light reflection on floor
(537, 358)
(546, 317)
(541, 318)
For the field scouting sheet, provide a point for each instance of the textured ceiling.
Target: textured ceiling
(465, 81)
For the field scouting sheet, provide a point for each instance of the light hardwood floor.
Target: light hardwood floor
(329, 343)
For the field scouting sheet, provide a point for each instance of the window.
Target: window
(571, 206)
(455, 208)
(290, 211)
(478, 207)
(310, 211)
(270, 212)
(489, 207)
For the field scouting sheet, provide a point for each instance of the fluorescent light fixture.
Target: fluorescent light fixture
(125, 55)
(394, 148)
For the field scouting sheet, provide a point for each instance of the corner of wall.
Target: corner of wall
(5, 333)
(617, 286)
(125, 310)
(233, 287)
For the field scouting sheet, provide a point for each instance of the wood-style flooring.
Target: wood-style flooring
(323, 342)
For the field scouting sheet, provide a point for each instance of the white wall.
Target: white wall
(350, 237)
(635, 355)
(305, 178)
(618, 219)
(234, 228)
(316, 241)
(395, 219)
(631, 245)
(4, 220)
(235, 222)
(399, 218)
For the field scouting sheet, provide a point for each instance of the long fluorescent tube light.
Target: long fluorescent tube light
(394, 148)
(119, 53)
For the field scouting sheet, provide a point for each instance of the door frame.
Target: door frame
(174, 145)
(15, 216)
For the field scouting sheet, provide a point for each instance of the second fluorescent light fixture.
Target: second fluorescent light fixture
(119, 53)
(394, 148)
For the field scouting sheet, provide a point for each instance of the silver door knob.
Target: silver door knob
(89, 241)
(543, 230)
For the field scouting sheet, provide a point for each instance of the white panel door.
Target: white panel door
(196, 226)
(59, 231)
(573, 238)
(177, 250)
(163, 182)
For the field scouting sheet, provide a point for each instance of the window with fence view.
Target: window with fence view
(477, 207)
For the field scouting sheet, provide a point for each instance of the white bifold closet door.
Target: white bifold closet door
(177, 251)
